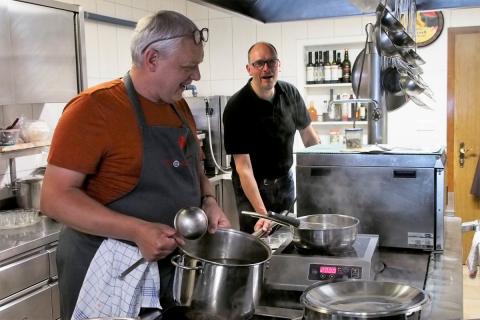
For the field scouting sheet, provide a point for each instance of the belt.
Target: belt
(272, 181)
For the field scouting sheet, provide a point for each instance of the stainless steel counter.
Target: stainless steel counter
(19, 240)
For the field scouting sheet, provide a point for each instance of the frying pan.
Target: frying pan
(322, 232)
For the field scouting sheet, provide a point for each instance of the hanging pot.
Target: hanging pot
(220, 275)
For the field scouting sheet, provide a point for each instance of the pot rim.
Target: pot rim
(266, 246)
(362, 315)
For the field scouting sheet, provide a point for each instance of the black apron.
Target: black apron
(168, 182)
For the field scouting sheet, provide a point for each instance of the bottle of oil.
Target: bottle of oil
(312, 111)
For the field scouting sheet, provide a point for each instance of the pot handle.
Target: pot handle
(180, 265)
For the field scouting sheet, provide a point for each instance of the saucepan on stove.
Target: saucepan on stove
(358, 299)
(321, 232)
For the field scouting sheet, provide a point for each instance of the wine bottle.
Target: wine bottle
(309, 69)
(315, 69)
(321, 68)
(334, 77)
(339, 67)
(328, 67)
(346, 68)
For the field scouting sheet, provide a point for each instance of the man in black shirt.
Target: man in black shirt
(260, 122)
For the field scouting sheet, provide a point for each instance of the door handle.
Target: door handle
(462, 154)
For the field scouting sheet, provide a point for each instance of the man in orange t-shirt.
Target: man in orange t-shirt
(124, 157)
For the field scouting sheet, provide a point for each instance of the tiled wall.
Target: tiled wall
(223, 70)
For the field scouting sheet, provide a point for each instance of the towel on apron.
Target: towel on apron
(474, 256)
(103, 294)
(476, 181)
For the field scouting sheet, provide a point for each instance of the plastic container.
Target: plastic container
(35, 131)
(353, 138)
(18, 218)
(9, 137)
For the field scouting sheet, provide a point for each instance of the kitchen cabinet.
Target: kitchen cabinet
(319, 93)
(41, 54)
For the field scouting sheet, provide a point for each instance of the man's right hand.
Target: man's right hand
(156, 240)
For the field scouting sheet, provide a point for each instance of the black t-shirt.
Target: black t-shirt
(265, 130)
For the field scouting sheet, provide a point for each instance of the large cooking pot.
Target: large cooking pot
(220, 275)
(353, 300)
(322, 232)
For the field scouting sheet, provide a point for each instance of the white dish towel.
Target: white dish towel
(473, 260)
(103, 294)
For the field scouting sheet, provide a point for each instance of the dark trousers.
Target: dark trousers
(277, 195)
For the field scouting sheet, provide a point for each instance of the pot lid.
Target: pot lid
(364, 299)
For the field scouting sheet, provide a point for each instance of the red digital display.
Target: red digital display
(328, 269)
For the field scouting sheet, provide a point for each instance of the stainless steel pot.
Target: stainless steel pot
(364, 300)
(28, 192)
(220, 275)
(325, 232)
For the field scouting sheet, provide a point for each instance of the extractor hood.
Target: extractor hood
(291, 10)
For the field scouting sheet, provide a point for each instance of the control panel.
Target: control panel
(328, 272)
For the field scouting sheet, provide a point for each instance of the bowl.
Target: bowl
(35, 131)
(9, 137)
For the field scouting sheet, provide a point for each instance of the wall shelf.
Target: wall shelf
(338, 123)
(23, 149)
(329, 85)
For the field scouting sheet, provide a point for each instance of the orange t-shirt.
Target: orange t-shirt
(98, 135)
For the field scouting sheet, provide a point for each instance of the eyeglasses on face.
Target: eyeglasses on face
(199, 36)
(272, 64)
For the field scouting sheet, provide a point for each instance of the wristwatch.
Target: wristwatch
(205, 196)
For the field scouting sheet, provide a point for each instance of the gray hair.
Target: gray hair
(163, 24)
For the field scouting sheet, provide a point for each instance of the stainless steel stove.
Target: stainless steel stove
(292, 270)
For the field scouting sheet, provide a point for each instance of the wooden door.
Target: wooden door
(463, 122)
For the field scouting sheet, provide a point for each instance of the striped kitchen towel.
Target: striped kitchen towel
(103, 294)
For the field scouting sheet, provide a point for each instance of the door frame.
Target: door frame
(452, 34)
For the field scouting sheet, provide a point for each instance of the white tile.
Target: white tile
(346, 27)
(218, 13)
(123, 12)
(245, 32)
(291, 32)
(140, 4)
(125, 2)
(87, 5)
(137, 14)
(177, 5)
(221, 48)
(155, 5)
(196, 11)
(271, 33)
(239, 84)
(107, 39)
(222, 87)
(106, 8)
(203, 88)
(91, 49)
(320, 28)
(465, 17)
(50, 112)
(11, 112)
(124, 36)
(371, 18)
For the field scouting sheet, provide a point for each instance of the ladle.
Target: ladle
(190, 222)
